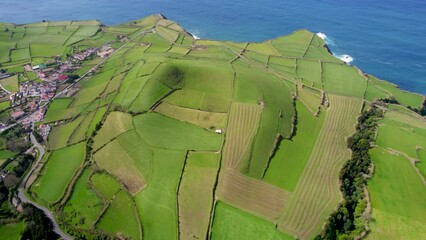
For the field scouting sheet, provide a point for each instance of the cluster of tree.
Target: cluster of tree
(347, 221)
(38, 226)
(6, 118)
(421, 110)
(10, 183)
(72, 78)
(93, 234)
(16, 139)
(38, 136)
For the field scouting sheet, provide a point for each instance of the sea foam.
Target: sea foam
(344, 57)
(194, 34)
(322, 36)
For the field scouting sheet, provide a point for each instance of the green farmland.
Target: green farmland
(177, 138)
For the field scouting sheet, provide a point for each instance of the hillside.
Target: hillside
(163, 136)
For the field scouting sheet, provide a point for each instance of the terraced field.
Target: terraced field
(253, 196)
(397, 189)
(198, 179)
(178, 138)
(304, 214)
(243, 121)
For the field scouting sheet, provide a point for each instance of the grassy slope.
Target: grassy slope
(292, 155)
(233, 223)
(58, 171)
(157, 202)
(84, 206)
(120, 217)
(115, 124)
(11, 231)
(304, 214)
(397, 190)
(165, 132)
(208, 85)
(198, 179)
(397, 197)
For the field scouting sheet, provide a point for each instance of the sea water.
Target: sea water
(386, 38)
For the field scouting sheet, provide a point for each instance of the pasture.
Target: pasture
(204, 119)
(198, 179)
(405, 98)
(60, 135)
(263, 48)
(251, 195)
(159, 197)
(292, 156)
(11, 231)
(397, 197)
(293, 45)
(115, 124)
(309, 71)
(164, 132)
(83, 207)
(304, 215)
(58, 172)
(79, 133)
(114, 159)
(152, 110)
(242, 124)
(120, 219)
(11, 84)
(343, 80)
(97, 118)
(233, 223)
(409, 137)
(105, 185)
(310, 97)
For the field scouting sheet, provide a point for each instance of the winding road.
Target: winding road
(23, 198)
(21, 189)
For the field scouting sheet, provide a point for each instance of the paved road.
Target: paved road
(21, 189)
(23, 198)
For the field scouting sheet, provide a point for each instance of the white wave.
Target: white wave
(322, 35)
(329, 41)
(345, 58)
(194, 34)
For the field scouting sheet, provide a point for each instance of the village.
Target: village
(56, 78)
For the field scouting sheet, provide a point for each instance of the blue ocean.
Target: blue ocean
(386, 38)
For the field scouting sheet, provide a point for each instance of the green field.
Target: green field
(198, 178)
(232, 223)
(11, 231)
(405, 98)
(164, 132)
(397, 197)
(84, 206)
(158, 199)
(114, 159)
(343, 79)
(291, 157)
(120, 218)
(202, 139)
(60, 135)
(304, 215)
(115, 124)
(10, 83)
(58, 172)
(106, 185)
